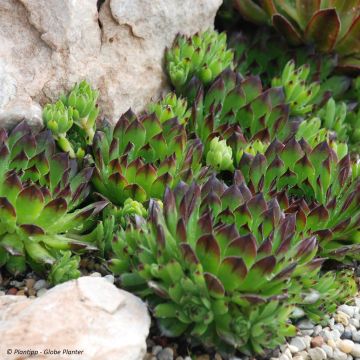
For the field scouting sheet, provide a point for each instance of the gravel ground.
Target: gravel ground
(338, 340)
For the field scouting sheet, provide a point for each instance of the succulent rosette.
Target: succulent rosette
(139, 157)
(40, 194)
(216, 262)
(321, 183)
(170, 107)
(203, 55)
(331, 25)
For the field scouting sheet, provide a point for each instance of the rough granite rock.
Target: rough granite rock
(48, 45)
(88, 315)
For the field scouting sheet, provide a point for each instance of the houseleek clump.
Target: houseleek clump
(203, 55)
(139, 157)
(40, 195)
(216, 263)
(72, 119)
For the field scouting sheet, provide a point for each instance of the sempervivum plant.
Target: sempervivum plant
(233, 100)
(203, 55)
(72, 119)
(331, 25)
(40, 192)
(321, 182)
(170, 107)
(139, 157)
(299, 95)
(216, 263)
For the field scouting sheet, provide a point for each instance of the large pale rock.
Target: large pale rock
(89, 317)
(48, 45)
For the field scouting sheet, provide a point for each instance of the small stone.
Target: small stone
(305, 325)
(307, 340)
(110, 278)
(156, 349)
(166, 354)
(335, 334)
(12, 291)
(346, 335)
(20, 293)
(307, 332)
(95, 274)
(218, 357)
(299, 343)
(2, 293)
(355, 322)
(29, 283)
(340, 328)
(328, 349)
(288, 353)
(17, 284)
(298, 357)
(317, 341)
(349, 357)
(304, 354)
(41, 292)
(40, 284)
(339, 355)
(187, 358)
(347, 309)
(341, 317)
(203, 357)
(326, 334)
(356, 336)
(332, 322)
(317, 330)
(284, 357)
(317, 354)
(356, 351)
(331, 343)
(179, 358)
(346, 346)
(293, 349)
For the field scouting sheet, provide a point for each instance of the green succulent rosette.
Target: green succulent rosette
(216, 263)
(40, 195)
(203, 55)
(139, 157)
(331, 25)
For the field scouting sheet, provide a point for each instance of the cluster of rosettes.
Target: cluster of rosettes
(140, 157)
(39, 192)
(216, 262)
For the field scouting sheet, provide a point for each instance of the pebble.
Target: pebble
(342, 318)
(41, 292)
(317, 330)
(356, 351)
(166, 354)
(12, 291)
(346, 346)
(2, 293)
(328, 349)
(317, 354)
(40, 284)
(339, 355)
(156, 349)
(293, 349)
(331, 343)
(355, 322)
(95, 274)
(305, 325)
(110, 278)
(284, 357)
(348, 310)
(299, 343)
(317, 341)
(346, 335)
(356, 336)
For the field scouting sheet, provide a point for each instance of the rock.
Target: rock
(340, 328)
(339, 355)
(355, 322)
(317, 354)
(298, 342)
(293, 349)
(40, 284)
(355, 352)
(317, 341)
(331, 343)
(342, 318)
(347, 309)
(346, 346)
(305, 325)
(118, 48)
(328, 349)
(102, 322)
(166, 354)
(304, 354)
(317, 330)
(41, 292)
(110, 278)
(156, 349)
(284, 357)
(346, 335)
(356, 336)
